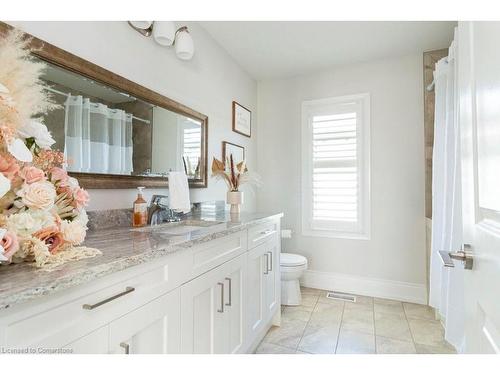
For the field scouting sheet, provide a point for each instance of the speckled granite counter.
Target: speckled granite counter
(121, 248)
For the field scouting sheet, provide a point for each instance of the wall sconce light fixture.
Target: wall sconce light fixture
(165, 34)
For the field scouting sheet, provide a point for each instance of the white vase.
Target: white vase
(235, 199)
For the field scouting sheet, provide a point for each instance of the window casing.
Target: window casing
(336, 167)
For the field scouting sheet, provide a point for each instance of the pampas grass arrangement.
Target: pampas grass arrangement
(234, 175)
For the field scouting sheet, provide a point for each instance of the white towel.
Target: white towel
(179, 192)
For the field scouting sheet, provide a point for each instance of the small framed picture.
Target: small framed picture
(229, 148)
(242, 120)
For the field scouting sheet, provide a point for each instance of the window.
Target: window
(336, 165)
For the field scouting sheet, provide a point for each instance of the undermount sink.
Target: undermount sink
(178, 228)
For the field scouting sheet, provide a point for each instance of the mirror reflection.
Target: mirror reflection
(105, 131)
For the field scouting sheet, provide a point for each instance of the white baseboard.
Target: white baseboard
(398, 290)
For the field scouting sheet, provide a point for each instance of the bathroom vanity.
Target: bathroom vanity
(205, 285)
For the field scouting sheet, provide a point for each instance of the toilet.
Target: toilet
(292, 266)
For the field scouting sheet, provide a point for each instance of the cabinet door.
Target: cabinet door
(93, 343)
(212, 310)
(234, 304)
(151, 329)
(272, 278)
(256, 297)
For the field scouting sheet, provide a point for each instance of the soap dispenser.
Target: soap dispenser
(140, 215)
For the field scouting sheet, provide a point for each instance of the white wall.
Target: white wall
(208, 83)
(394, 258)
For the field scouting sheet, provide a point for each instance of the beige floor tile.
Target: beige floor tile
(351, 342)
(364, 300)
(359, 319)
(392, 346)
(326, 315)
(267, 348)
(443, 348)
(309, 300)
(392, 308)
(392, 326)
(306, 290)
(416, 311)
(385, 301)
(427, 332)
(319, 339)
(295, 313)
(287, 335)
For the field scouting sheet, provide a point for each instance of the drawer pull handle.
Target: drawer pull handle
(230, 291)
(267, 264)
(221, 310)
(125, 346)
(264, 234)
(127, 290)
(271, 261)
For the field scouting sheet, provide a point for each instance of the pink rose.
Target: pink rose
(52, 237)
(38, 195)
(8, 166)
(81, 197)
(32, 174)
(60, 175)
(10, 244)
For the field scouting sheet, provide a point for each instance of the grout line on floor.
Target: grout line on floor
(340, 328)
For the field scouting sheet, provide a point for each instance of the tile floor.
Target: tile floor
(370, 325)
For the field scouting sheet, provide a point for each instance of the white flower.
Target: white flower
(23, 224)
(73, 182)
(28, 222)
(37, 130)
(38, 195)
(19, 150)
(73, 232)
(82, 218)
(4, 185)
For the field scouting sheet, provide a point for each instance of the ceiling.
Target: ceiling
(269, 50)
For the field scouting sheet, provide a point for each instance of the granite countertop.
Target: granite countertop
(121, 248)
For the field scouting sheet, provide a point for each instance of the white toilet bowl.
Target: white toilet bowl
(292, 266)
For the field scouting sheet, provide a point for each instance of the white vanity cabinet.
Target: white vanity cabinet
(219, 296)
(151, 329)
(212, 310)
(263, 296)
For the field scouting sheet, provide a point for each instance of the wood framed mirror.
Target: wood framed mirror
(116, 133)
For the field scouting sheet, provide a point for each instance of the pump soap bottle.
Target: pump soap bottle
(140, 216)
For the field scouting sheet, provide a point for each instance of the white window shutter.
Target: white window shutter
(334, 177)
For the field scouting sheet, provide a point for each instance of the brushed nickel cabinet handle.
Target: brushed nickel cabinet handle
(221, 310)
(267, 264)
(125, 346)
(127, 290)
(271, 261)
(230, 291)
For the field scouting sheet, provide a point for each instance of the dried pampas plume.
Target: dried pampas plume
(19, 74)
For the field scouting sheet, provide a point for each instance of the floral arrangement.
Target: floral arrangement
(42, 213)
(234, 175)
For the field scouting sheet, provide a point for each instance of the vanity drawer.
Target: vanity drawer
(213, 253)
(82, 310)
(262, 233)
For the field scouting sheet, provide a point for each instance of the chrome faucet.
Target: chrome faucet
(159, 212)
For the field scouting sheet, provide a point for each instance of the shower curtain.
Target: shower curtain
(98, 139)
(446, 284)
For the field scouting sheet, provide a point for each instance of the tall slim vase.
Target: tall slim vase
(235, 199)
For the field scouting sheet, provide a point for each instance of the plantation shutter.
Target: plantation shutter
(334, 176)
(192, 149)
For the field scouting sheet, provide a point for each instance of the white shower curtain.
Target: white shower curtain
(446, 284)
(98, 138)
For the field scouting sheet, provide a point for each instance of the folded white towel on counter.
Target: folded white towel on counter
(179, 192)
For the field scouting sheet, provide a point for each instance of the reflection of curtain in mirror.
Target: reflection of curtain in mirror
(191, 150)
(98, 138)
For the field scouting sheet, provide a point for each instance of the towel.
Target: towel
(179, 192)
